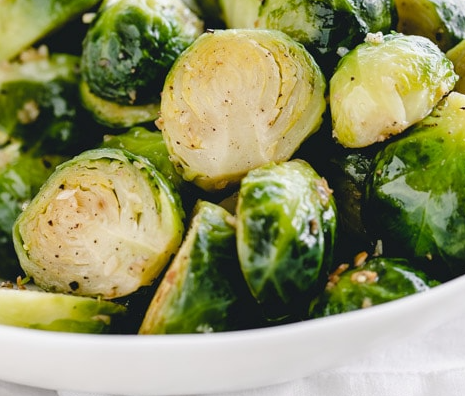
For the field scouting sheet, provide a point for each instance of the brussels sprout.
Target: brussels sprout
(415, 192)
(149, 144)
(24, 22)
(127, 52)
(385, 85)
(39, 103)
(378, 280)
(321, 25)
(286, 229)
(20, 180)
(237, 99)
(104, 224)
(442, 21)
(202, 288)
(35, 309)
(457, 56)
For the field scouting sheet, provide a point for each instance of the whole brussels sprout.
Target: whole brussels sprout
(378, 280)
(24, 22)
(415, 193)
(105, 223)
(286, 231)
(385, 85)
(442, 21)
(39, 310)
(237, 99)
(203, 289)
(128, 49)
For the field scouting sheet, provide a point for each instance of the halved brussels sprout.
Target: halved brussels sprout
(35, 309)
(201, 291)
(385, 85)
(20, 180)
(323, 26)
(104, 224)
(457, 55)
(442, 21)
(39, 102)
(378, 280)
(237, 99)
(415, 194)
(24, 22)
(128, 50)
(286, 230)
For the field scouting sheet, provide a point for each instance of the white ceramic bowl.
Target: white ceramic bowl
(230, 361)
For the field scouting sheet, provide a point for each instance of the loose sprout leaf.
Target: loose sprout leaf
(105, 223)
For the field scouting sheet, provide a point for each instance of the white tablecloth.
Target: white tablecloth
(432, 364)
